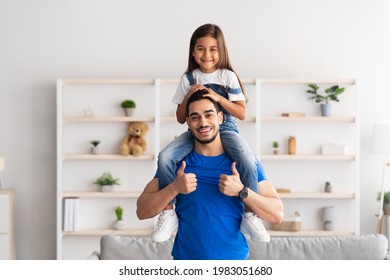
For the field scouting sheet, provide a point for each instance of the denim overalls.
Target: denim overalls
(234, 144)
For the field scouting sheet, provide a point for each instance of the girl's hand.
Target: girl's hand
(213, 95)
(195, 88)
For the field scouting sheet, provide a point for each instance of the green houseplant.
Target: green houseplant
(386, 202)
(330, 94)
(118, 212)
(128, 106)
(119, 222)
(106, 181)
(95, 148)
(275, 147)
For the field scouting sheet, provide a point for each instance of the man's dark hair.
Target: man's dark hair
(198, 95)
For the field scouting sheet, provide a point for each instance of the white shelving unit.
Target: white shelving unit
(77, 168)
(7, 225)
(306, 172)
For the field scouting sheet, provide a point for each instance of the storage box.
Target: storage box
(289, 223)
(334, 149)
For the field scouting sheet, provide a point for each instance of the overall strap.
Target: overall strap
(191, 78)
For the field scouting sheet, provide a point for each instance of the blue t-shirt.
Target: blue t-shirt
(209, 221)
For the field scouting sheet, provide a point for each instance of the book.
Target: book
(76, 205)
(67, 215)
(293, 114)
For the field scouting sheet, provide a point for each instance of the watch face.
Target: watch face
(244, 193)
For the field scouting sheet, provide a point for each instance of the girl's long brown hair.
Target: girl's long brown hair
(215, 32)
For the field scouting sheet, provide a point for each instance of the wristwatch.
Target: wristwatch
(243, 194)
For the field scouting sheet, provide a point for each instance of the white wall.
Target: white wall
(44, 40)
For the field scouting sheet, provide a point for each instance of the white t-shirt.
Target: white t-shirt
(222, 77)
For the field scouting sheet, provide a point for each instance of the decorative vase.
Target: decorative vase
(275, 151)
(327, 216)
(292, 145)
(326, 110)
(119, 224)
(107, 188)
(328, 225)
(95, 150)
(129, 112)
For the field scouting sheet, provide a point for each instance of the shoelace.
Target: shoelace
(160, 221)
(255, 221)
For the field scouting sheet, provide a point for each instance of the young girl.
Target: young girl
(209, 69)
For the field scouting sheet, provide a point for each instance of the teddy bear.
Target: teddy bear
(134, 143)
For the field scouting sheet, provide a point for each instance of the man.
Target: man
(210, 195)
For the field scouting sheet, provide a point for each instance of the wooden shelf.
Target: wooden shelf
(310, 119)
(99, 119)
(107, 231)
(318, 195)
(107, 81)
(308, 157)
(312, 233)
(105, 157)
(114, 194)
(308, 81)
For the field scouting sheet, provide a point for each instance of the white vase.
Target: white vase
(129, 112)
(107, 188)
(325, 110)
(327, 214)
(119, 225)
(95, 150)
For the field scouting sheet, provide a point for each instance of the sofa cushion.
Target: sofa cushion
(134, 248)
(364, 247)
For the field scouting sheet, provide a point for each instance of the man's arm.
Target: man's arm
(152, 200)
(266, 204)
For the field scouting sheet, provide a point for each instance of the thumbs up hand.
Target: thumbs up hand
(185, 183)
(230, 185)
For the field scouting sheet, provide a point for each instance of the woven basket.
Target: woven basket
(290, 223)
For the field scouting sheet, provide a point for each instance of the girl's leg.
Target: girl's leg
(168, 159)
(240, 152)
(171, 155)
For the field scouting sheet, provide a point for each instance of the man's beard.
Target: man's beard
(207, 141)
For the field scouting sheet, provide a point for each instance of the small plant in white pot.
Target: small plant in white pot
(330, 94)
(119, 223)
(106, 182)
(275, 147)
(128, 106)
(95, 148)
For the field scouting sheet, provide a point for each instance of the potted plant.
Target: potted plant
(95, 148)
(330, 94)
(386, 202)
(119, 222)
(275, 147)
(128, 106)
(106, 182)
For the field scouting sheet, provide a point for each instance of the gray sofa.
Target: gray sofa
(364, 247)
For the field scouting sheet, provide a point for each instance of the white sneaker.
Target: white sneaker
(166, 224)
(253, 226)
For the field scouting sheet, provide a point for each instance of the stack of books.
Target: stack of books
(71, 209)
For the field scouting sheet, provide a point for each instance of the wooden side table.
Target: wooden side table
(380, 221)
